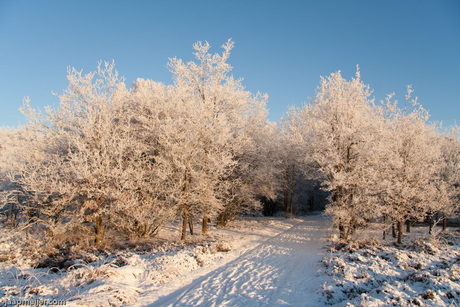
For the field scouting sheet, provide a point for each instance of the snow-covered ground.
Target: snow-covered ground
(422, 272)
(254, 261)
(282, 270)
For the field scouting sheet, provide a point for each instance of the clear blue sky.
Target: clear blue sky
(281, 47)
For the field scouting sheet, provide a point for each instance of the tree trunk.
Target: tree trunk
(221, 220)
(14, 216)
(28, 225)
(100, 231)
(204, 228)
(400, 232)
(444, 223)
(224, 216)
(352, 227)
(184, 209)
(286, 202)
(335, 198)
(229, 213)
(291, 197)
(190, 224)
(311, 203)
(430, 224)
(408, 226)
(393, 230)
(184, 223)
(384, 227)
(343, 234)
(27, 233)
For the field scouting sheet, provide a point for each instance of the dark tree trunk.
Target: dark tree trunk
(430, 224)
(311, 203)
(408, 226)
(352, 227)
(204, 228)
(343, 234)
(384, 226)
(190, 224)
(184, 223)
(342, 230)
(393, 230)
(400, 232)
(291, 197)
(221, 220)
(286, 201)
(230, 212)
(28, 225)
(444, 223)
(14, 216)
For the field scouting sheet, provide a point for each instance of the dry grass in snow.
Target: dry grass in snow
(422, 272)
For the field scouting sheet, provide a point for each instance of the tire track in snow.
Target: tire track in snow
(283, 270)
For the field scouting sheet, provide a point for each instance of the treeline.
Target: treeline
(131, 160)
(380, 162)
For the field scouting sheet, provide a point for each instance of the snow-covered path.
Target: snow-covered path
(283, 270)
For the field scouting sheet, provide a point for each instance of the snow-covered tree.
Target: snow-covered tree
(377, 161)
(99, 163)
(257, 172)
(38, 175)
(90, 116)
(446, 200)
(338, 132)
(196, 146)
(9, 210)
(132, 158)
(229, 115)
(411, 169)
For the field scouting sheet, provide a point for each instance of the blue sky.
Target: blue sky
(281, 47)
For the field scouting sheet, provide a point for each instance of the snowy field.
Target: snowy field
(257, 261)
(421, 272)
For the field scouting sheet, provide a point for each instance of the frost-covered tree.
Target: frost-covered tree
(37, 173)
(451, 171)
(446, 183)
(229, 117)
(99, 161)
(257, 172)
(338, 133)
(90, 118)
(9, 210)
(377, 161)
(187, 139)
(411, 169)
(132, 159)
